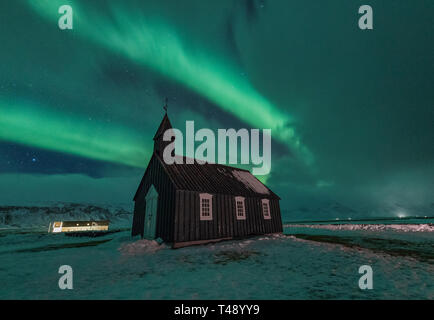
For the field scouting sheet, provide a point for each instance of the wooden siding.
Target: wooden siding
(156, 175)
(189, 227)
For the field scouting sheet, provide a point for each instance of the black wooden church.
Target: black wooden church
(186, 204)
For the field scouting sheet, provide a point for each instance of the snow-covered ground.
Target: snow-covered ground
(421, 227)
(305, 263)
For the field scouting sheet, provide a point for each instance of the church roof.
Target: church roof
(209, 177)
(216, 178)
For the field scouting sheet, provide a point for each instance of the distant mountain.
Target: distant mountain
(337, 211)
(39, 216)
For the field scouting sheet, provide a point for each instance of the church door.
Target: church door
(151, 213)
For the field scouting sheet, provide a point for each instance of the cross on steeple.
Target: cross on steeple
(165, 106)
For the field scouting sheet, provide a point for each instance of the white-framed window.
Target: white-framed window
(205, 206)
(266, 208)
(240, 208)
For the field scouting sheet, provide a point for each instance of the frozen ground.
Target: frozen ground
(306, 263)
(420, 227)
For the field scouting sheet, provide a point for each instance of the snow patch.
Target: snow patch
(374, 227)
(141, 247)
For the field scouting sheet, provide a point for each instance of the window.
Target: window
(240, 208)
(205, 206)
(266, 208)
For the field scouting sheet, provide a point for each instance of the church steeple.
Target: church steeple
(159, 143)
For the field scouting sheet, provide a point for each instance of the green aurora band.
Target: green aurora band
(28, 124)
(154, 44)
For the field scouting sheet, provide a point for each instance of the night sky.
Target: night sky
(351, 111)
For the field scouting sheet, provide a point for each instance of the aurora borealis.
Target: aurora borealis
(351, 111)
(32, 125)
(157, 46)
